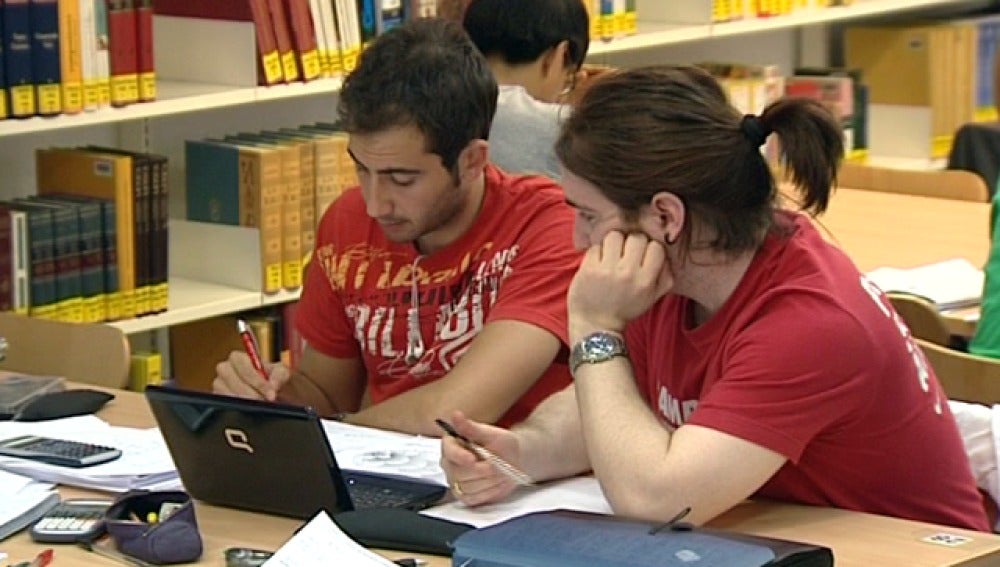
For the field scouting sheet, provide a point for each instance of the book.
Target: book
(70, 55)
(948, 284)
(283, 37)
(102, 176)
(123, 57)
(23, 508)
(146, 368)
(88, 56)
(20, 262)
(239, 185)
(144, 50)
(17, 57)
(102, 53)
(304, 38)
(41, 262)
(6, 261)
(45, 60)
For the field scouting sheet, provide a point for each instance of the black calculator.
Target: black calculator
(60, 452)
(76, 519)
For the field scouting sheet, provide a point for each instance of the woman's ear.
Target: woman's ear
(666, 216)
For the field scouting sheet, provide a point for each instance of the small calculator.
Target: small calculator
(60, 452)
(76, 519)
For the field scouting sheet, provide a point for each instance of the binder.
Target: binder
(563, 537)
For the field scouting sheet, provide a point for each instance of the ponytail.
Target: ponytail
(812, 145)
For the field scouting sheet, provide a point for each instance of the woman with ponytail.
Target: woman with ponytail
(722, 348)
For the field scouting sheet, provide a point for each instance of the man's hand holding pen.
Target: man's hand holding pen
(237, 376)
(472, 478)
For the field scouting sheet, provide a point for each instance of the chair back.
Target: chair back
(81, 352)
(964, 376)
(943, 184)
(922, 317)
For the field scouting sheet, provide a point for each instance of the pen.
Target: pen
(40, 560)
(250, 344)
(510, 471)
(410, 562)
(673, 523)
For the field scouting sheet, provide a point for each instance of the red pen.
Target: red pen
(250, 344)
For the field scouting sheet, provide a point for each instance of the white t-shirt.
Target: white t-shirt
(524, 132)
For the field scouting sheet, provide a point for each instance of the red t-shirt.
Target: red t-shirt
(515, 263)
(808, 359)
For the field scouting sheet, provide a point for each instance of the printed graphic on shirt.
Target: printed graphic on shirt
(376, 286)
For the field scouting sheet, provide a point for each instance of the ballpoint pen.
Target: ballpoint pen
(510, 471)
(112, 554)
(250, 345)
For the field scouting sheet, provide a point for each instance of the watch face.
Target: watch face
(600, 345)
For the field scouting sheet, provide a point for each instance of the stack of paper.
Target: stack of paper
(948, 284)
(145, 462)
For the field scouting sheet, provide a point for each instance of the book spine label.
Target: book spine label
(45, 65)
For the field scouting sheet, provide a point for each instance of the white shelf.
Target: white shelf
(653, 34)
(174, 97)
(283, 296)
(192, 300)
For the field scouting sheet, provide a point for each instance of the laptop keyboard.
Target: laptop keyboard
(367, 496)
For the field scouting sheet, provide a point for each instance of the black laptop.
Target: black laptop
(268, 457)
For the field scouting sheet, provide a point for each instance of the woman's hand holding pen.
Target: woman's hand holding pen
(237, 376)
(473, 480)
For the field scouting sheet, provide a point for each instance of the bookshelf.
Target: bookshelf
(207, 87)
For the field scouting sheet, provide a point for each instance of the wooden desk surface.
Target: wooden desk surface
(857, 540)
(904, 231)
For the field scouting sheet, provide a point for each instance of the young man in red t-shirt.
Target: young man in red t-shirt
(722, 348)
(439, 283)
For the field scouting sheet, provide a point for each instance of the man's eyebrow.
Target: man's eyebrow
(578, 206)
(388, 170)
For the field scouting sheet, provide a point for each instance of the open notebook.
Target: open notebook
(949, 284)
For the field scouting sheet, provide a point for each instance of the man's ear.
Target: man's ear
(473, 159)
(554, 58)
(665, 215)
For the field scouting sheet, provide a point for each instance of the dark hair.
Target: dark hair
(670, 128)
(520, 31)
(424, 73)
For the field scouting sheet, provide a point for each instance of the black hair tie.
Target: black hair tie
(754, 130)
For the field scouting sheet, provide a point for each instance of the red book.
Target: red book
(144, 36)
(283, 35)
(255, 11)
(304, 38)
(123, 54)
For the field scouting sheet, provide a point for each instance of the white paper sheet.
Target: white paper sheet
(385, 452)
(321, 542)
(580, 493)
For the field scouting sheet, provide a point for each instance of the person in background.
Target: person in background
(535, 49)
(440, 282)
(723, 349)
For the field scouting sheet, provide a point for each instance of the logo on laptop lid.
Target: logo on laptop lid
(237, 439)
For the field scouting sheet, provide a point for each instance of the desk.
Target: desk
(904, 231)
(857, 540)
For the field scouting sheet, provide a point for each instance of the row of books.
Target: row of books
(67, 56)
(279, 182)
(92, 245)
(729, 10)
(303, 40)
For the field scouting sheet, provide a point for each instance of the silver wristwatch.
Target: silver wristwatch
(596, 347)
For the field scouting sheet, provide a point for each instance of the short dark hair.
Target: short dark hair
(424, 73)
(520, 31)
(636, 133)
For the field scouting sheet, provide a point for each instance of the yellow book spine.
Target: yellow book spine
(70, 56)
